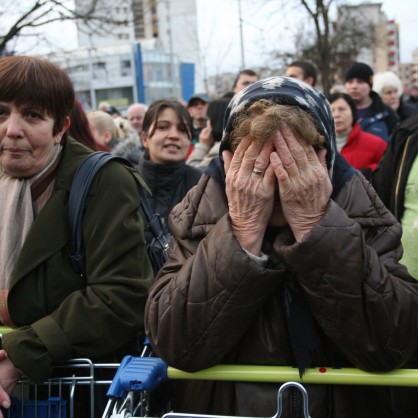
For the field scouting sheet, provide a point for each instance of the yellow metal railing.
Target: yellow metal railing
(320, 375)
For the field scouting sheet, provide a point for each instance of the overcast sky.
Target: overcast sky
(264, 27)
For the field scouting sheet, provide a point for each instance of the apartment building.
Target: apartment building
(383, 52)
(153, 54)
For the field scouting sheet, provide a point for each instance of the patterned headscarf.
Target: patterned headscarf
(285, 91)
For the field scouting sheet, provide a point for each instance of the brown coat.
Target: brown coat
(212, 303)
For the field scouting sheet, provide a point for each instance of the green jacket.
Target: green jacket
(59, 313)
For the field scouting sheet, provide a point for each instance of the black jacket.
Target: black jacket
(389, 179)
(406, 110)
(168, 183)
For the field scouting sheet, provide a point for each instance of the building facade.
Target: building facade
(414, 69)
(169, 25)
(408, 73)
(382, 53)
(124, 74)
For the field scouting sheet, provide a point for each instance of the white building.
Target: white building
(408, 74)
(383, 55)
(414, 71)
(112, 74)
(98, 34)
(172, 23)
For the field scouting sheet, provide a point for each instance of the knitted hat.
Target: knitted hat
(361, 71)
(285, 91)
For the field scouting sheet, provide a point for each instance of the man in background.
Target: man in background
(303, 70)
(373, 115)
(132, 148)
(197, 107)
(243, 79)
(136, 113)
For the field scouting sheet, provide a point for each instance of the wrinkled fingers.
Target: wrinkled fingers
(286, 154)
(281, 174)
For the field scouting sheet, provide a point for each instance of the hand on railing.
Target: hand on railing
(9, 376)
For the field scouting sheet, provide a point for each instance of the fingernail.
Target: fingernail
(5, 404)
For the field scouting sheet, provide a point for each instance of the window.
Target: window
(99, 65)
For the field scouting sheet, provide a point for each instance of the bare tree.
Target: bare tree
(330, 43)
(20, 19)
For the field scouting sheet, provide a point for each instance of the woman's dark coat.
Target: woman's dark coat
(212, 303)
(59, 313)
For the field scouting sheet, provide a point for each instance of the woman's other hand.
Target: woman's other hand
(304, 183)
(250, 183)
(9, 375)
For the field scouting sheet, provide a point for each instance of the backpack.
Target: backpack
(157, 249)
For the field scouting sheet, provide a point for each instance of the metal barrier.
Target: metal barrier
(320, 375)
(137, 377)
(56, 397)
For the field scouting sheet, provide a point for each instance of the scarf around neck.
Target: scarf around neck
(16, 218)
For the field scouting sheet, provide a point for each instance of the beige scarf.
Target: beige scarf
(16, 218)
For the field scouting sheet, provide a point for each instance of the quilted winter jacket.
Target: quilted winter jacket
(212, 303)
(60, 314)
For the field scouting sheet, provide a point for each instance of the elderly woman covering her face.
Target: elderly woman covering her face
(289, 258)
(56, 312)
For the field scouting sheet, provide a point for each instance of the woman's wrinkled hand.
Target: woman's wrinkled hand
(304, 183)
(250, 183)
(9, 375)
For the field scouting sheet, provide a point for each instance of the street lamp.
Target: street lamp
(241, 35)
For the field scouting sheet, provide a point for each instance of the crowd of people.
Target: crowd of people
(293, 221)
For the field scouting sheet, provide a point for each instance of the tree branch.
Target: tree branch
(45, 12)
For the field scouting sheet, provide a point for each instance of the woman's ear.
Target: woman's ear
(107, 137)
(144, 139)
(60, 134)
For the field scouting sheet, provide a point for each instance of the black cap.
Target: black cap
(203, 97)
(361, 71)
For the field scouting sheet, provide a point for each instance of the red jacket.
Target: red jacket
(362, 149)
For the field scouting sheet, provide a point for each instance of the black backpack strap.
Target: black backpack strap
(78, 193)
(158, 248)
(154, 222)
(76, 203)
